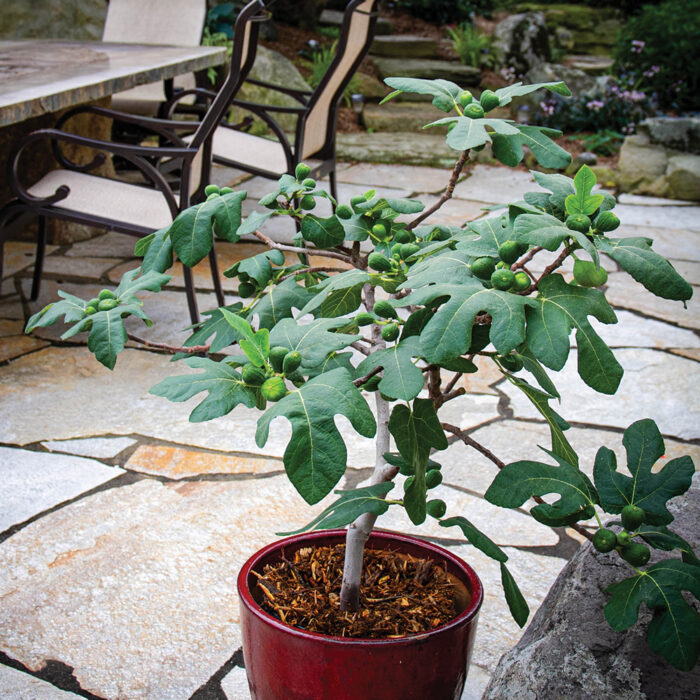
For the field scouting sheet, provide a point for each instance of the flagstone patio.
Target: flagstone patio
(122, 525)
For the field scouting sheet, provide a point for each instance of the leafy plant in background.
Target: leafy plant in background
(222, 18)
(474, 47)
(620, 106)
(605, 143)
(660, 47)
(320, 63)
(403, 315)
(216, 39)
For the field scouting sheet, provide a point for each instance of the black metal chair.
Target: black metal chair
(314, 139)
(71, 193)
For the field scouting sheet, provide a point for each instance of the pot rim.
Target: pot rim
(466, 616)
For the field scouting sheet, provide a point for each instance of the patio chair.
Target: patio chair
(71, 193)
(314, 139)
(175, 22)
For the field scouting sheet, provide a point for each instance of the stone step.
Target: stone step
(334, 18)
(430, 69)
(404, 46)
(402, 116)
(591, 65)
(408, 148)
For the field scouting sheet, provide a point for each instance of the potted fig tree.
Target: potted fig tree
(395, 318)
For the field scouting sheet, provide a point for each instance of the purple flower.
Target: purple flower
(638, 46)
(595, 105)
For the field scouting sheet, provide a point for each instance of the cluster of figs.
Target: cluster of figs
(634, 553)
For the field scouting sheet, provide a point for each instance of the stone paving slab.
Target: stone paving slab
(623, 292)
(135, 587)
(488, 183)
(15, 346)
(108, 245)
(455, 212)
(512, 440)
(674, 243)
(118, 403)
(636, 331)
(9, 327)
(99, 448)
(94, 268)
(686, 218)
(177, 463)
(644, 201)
(16, 685)
(19, 255)
(416, 179)
(405, 148)
(655, 385)
(32, 482)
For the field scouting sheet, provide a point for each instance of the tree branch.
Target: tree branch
(526, 258)
(446, 194)
(362, 380)
(467, 440)
(556, 264)
(312, 269)
(360, 348)
(302, 251)
(174, 349)
(449, 395)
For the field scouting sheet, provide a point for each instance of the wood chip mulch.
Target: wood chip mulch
(400, 595)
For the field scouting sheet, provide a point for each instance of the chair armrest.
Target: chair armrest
(299, 95)
(162, 127)
(134, 154)
(256, 106)
(170, 106)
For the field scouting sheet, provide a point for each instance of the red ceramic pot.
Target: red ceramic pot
(288, 663)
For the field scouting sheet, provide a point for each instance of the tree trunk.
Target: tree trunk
(360, 530)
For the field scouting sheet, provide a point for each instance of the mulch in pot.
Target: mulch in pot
(400, 595)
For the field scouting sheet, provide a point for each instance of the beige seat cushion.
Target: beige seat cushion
(108, 199)
(249, 150)
(146, 99)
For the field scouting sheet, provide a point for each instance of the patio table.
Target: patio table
(42, 76)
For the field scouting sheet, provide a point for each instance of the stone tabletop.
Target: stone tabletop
(42, 76)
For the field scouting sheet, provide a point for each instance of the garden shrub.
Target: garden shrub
(448, 11)
(474, 47)
(662, 46)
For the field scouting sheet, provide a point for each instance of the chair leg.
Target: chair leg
(189, 291)
(39, 261)
(333, 184)
(214, 265)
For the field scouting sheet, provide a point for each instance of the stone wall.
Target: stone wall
(53, 19)
(580, 29)
(662, 159)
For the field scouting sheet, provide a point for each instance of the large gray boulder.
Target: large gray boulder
(273, 67)
(569, 652)
(678, 133)
(52, 19)
(523, 41)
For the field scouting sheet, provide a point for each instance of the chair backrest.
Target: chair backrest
(245, 43)
(177, 22)
(316, 129)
